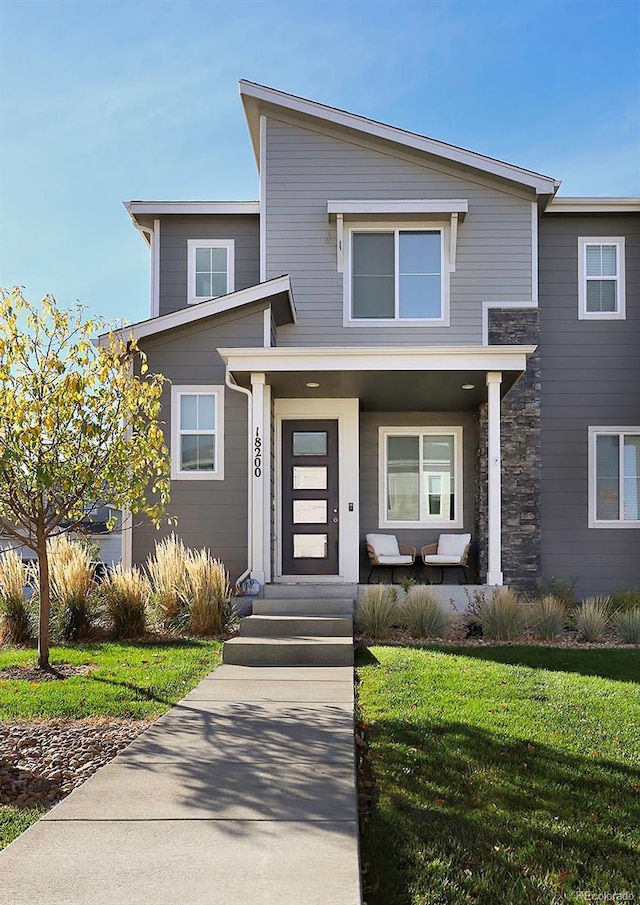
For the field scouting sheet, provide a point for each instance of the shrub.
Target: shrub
(126, 594)
(169, 582)
(423, 615)
(547, 617)
(503, 618)
(377, 611)
(563, 589)
(207, 594)
(627, 625)
(626, 600)
(15, 616)
(73, 598)
(592, 617)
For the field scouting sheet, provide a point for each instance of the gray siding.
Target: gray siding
(210, 514)
(590, 377)
(307, 168)
(369, 476)
(174, 232)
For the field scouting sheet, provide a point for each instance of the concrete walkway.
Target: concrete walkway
(243, 793)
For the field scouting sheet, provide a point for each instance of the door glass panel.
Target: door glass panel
(309, 512)
(309, 477)
(309, 546)
(309, 443)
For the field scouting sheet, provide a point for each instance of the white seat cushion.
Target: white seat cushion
(452, 545)
(400, 560)
(384, 544)
(435, 559)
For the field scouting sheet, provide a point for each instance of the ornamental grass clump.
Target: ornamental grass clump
(503, 617)
(547, 617)
(126, 594)
(74, 602)
(15, 615)
(207, 594)
(167, 569)
(377, 611)
(423, 615)
(592, 617)
(626, 625)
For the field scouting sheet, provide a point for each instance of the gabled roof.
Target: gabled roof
(276, 291)
(253, 95)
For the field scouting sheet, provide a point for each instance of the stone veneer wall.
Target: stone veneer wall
(521, 456)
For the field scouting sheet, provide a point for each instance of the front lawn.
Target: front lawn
(501, 774)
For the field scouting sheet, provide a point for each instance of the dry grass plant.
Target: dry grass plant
(15, 616)
(547, 617)
(167, 569)
(503, 617)
(423, 616)
(592, 617)
(626, 624)
(377, 611)
(126, 594)
(71, 580)
(207, 594)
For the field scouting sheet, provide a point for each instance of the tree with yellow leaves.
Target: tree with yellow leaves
(78, 426)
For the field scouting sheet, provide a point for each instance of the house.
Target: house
(400, 336)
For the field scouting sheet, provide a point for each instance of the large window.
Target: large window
(420, 477)
(614, 491)
(210, 269)
(197, 420)
(601, 290)
(397, 274)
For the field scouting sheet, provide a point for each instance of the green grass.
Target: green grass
(14, 821)
(132, 680)
(502, 774)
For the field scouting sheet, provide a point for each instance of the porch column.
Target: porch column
(494, 491)
(260, 469)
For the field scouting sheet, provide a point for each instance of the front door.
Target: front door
(310, 525)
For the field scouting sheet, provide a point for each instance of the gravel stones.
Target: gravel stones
(42, 761)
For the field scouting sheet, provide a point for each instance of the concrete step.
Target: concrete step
(288, 626)
(317, 606)
(311, 591)
(297, 651)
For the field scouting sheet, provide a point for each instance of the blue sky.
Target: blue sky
(103, 101)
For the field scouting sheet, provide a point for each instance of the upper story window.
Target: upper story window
(210, 270)
(601, 290)
(197, 421)
(614, 485)
(397, 274)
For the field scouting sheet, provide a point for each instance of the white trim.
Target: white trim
(593, 205)
(266, 327)
(230, 382)
(267, 447)
(534, 252)
(258, 475)
(340, 241)
(192, 207)
(250, 91)
(488, 306)
(194, 313)
(155, 269)
(346, 411)
(377, 358)
(494, 481)
(263, 198)
(192, 246)
(372, 226)
(453, 242)
(594, 432)
(401, 208)
(178, 390)
(620, 312)
(126, 539)
(456, 431)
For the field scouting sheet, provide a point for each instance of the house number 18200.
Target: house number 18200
(257, 454)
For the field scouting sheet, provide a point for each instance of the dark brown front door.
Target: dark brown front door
(310, 497)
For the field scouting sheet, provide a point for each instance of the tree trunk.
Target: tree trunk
(45, 603)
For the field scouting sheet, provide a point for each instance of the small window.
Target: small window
(421, 477)
(210, 269)
(197, 421)
(397, 275)
(614, 485)
(601, 290)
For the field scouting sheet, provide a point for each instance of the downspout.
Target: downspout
(231, 383)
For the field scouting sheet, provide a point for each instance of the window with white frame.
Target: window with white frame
(397, 274)
(210, 271)
(614, 477)
(420, 477)
(601, 289)
(197, 422)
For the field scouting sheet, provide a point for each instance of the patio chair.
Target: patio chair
(451, 552)
(385, 552)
